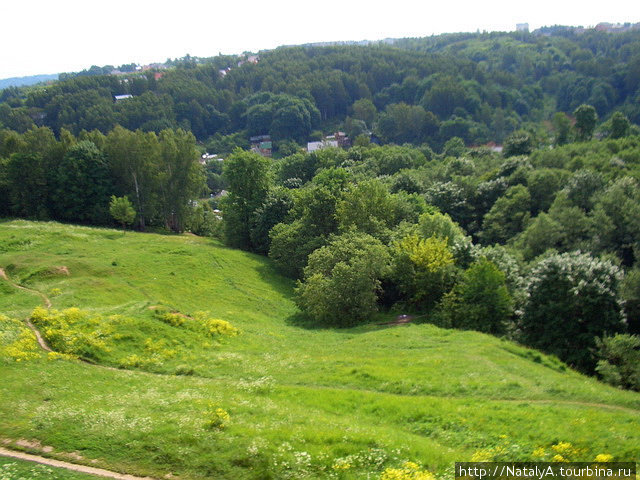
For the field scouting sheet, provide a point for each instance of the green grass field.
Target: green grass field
(302, 403)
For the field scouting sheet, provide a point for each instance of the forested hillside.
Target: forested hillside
(479, 87)
(537, 241)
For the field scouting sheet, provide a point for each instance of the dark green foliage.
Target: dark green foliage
(561, 127)
(572, 298)
(518, 143)
(631, 295)
(508, 216)
(342, 280)
(274, 210)
(247, 175)
(82, 185)
(479, 301)
(617, 215)
(619, 360)
(402, 123)
(586, 119)
(620, 125)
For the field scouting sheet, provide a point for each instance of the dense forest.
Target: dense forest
(538, 241)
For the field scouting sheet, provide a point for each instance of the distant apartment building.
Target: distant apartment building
(522, 27)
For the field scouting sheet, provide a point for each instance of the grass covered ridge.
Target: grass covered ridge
(300, 403)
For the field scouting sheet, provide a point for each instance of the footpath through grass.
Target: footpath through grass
(183, 396)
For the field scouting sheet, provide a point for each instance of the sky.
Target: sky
(54, 36)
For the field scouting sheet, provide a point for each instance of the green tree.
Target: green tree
(181, 177)
(480, 301)
(562, 127)
(619, 125)
(422, 269)
(518, 143)
(365, 110)
(572, 298)
(586, 120)
(508, 216)
(122, 211)
(247, 176)
(342, 280)
(619, 360)
(83, 185)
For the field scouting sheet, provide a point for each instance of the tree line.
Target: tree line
(479, 87)
(72, 178)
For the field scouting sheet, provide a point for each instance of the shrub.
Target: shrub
(480, 301)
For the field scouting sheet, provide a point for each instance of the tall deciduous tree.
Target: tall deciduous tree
(83, 185)
(181, 176)
(248, 178)
(586, 120)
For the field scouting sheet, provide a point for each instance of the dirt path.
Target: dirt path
(45, 299)
(69, 466)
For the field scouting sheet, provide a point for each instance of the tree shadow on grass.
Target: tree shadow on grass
(379, 321)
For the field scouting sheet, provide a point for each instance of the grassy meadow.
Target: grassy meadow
(197, 365)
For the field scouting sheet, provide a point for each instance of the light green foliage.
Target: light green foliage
(543, 184)
(619, 360)
(365, 110)
(342, 280)
(181, 176)
(454, 147)
(367, 207)
(571, 296)
(440, 225)
(479, 301)
(542, 234)
(422, 269)
(122, 211)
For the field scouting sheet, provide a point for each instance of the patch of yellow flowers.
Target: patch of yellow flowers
(17, 342)
(408, 471)
(217, 418)
(559, 452)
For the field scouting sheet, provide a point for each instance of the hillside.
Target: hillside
(303, 403)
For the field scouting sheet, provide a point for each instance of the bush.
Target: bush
(480, 301)
(342, 280)
(572, 298)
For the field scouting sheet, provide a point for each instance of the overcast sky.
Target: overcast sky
(38, 36)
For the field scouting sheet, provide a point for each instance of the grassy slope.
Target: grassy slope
(378, 395)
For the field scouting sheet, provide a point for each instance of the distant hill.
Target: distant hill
(25, 81)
